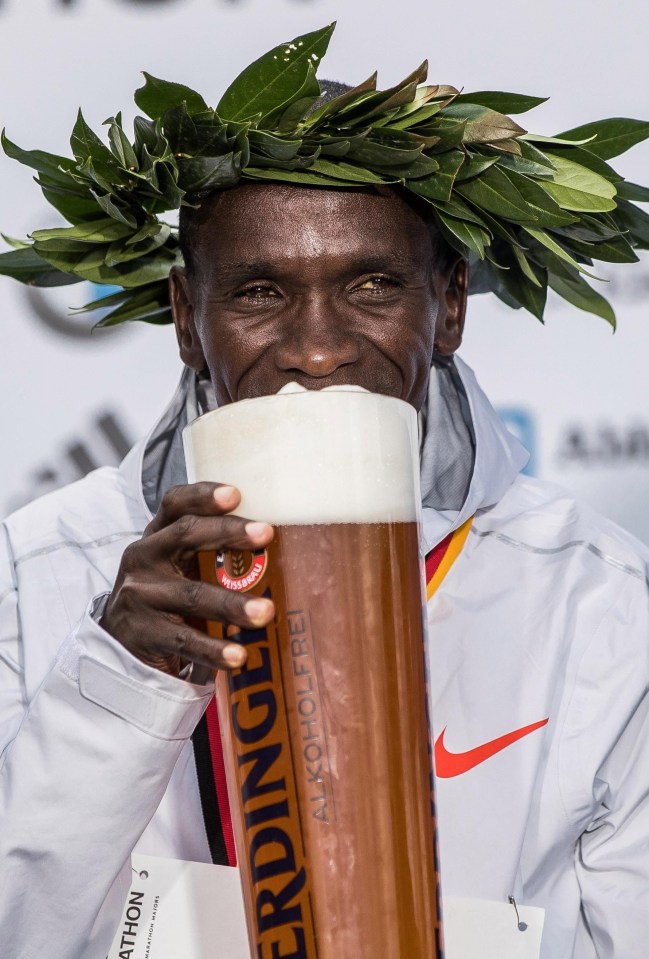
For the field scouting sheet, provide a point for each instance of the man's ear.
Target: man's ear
(181, 296)
(450, 320)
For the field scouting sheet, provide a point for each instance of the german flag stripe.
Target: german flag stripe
(441, 557)
(210, 770)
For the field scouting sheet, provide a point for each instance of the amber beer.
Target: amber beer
(325, 729)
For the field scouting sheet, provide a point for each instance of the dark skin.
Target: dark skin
(322, 287)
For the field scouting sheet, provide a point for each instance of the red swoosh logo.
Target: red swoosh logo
(449, 764)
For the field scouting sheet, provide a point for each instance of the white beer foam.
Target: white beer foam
(339, 455)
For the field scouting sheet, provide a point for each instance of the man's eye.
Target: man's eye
(377, 284)
(258, 292)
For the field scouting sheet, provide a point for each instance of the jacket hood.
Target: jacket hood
(468, 458)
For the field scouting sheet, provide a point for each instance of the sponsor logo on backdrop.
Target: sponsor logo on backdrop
(53, 308)
(105, 443)
(521, 423)
(604, 444)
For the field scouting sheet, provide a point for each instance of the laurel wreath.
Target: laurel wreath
(531, 212)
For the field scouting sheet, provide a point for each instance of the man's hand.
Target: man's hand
(154, 599)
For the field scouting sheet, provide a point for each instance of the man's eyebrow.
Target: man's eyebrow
(250, 269)
(375, 263)
(378, 262)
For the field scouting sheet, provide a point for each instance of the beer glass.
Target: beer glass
(325, 730)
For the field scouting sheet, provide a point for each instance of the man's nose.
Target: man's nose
(318, 342)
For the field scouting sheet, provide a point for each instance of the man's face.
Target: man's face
(322, 287)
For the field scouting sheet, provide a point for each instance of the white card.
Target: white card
(192, 910)
(182, 910)
(484, 929)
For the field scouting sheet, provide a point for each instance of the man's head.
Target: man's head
(315, 285)
(496, 193)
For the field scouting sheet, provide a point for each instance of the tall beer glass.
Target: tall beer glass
(325, 729)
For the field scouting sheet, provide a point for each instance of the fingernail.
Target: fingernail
(255, 530)
(233, 654)
(257, 610)
(223, 495)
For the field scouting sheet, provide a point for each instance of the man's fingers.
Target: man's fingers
(199, 499)
(191, 598)
(191, 533)
(193, 645)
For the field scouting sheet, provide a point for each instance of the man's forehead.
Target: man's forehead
(259, 229)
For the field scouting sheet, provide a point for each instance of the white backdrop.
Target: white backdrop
(576, 394)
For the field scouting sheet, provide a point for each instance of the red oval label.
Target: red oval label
(239, 570)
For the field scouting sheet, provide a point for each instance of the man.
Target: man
(538, 632)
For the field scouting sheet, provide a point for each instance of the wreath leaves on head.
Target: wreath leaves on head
(531, 212)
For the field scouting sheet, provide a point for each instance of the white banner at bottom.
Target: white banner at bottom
(192, 910)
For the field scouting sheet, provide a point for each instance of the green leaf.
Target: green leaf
(277, 148)
(545, 240)
(345, 171)
(75, 205)
(28, 267)
(334, 106)
(409, 117)
(121, 146)
(373, 151)
(87, 145)
(208, 173)
(503, 229)
(123, 252)
(530, 152)
(375, 105)
(96, 231)
(502, 102)
(88, 264)
(544, 207)
(482, 124)
(149, 303)
(495, 192)
(456, 208)
(609, 138)
(520, 164)
(117, 210)
(575, 290)
(610, 251)
(470, 235)
(576, 188)
(525, 266)
(558, 141)
(450, 132)
(439, 186)
(593, 227)
(636, 221)
(529, 295)
(158, 96)
(584, 157)
(55, 167)
(288, 117)
(15, 243)
(303, 177)
(512, 286)
(633, 191)
(474, 165)
(274, 78)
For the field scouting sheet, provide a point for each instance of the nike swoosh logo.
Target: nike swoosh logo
(448, 764)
